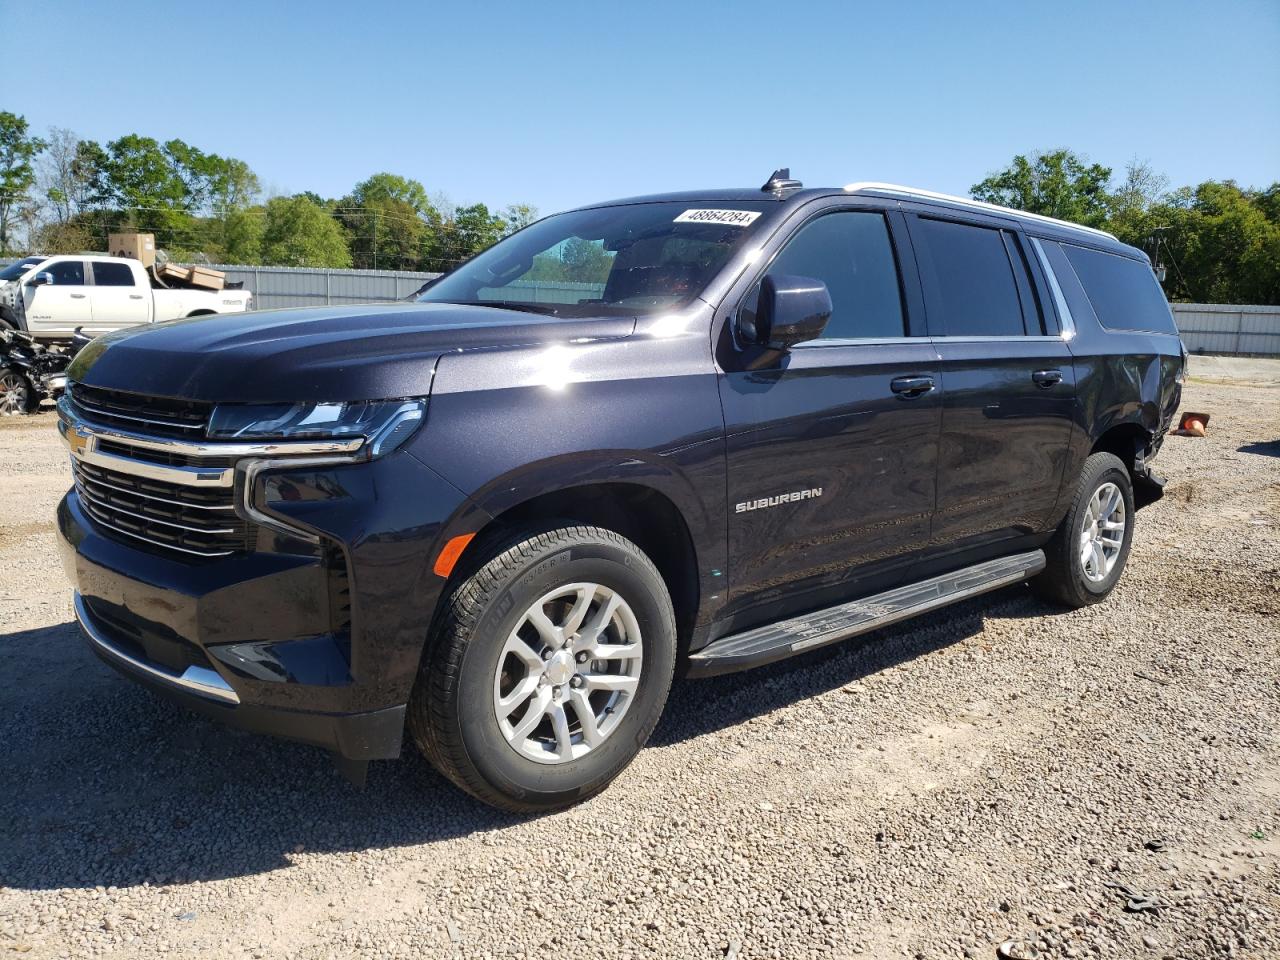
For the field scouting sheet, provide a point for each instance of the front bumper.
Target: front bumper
(367, 736)
(253, 639)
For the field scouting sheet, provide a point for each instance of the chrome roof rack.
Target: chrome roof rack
(913, 193)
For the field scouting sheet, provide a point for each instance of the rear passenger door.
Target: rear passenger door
(832, 447)
(118, 299)
(1008, 383)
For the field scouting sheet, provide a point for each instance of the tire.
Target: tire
(486, 652)
(17, 395)
(1068, 579)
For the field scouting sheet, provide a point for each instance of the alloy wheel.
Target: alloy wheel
(568, 673)
(1102, 533)
(14, 395)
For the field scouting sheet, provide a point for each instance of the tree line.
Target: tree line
(1216, 242)
(63, 194)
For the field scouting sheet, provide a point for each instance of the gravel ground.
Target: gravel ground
(1000, 776)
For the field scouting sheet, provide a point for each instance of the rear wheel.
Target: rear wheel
(17, 395)
(1089, 550)
(548, 671)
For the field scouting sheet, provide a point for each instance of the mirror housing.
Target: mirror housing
(42, 279)
(791, 310)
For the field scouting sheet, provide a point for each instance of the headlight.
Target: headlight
(384, 424)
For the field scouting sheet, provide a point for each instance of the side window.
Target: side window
(112, 275)
(852, 254)
(969, 280)
(66, 273)
(1124, 293)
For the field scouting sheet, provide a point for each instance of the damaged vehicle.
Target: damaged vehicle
(31, 371)
(690, 433)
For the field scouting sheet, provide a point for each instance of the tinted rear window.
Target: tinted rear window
(1124, 292)
(112, 274)
(972, 284)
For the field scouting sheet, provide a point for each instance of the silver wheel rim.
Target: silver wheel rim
(568, 673)
(13, 395)
(1102, 533)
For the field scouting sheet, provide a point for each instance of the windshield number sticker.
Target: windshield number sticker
(729, 218)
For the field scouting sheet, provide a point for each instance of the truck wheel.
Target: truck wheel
(1088, 551)
(16, 393)
(548, 669)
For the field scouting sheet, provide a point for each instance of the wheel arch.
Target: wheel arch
(642, 513)
(1125, 440)
(10, 319)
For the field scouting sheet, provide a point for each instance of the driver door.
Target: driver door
(61, 306)
(832, 448)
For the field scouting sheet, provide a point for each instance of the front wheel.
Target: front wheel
(17, 395)
(548, 671)
(1090, 547)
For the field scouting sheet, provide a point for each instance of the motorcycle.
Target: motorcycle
(31, 371)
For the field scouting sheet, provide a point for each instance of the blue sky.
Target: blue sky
(559, 104)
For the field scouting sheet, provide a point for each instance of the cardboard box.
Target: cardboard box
(172, 273)
(206, 278)
(135, 246)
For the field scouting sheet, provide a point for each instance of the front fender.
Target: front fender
(506, 426)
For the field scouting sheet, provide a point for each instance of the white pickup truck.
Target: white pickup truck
(50, 297)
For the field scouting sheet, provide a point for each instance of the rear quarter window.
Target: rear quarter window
(1124, 293)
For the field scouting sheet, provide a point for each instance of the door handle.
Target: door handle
(1047, 378)
(135, 296)
(908, 388)
(77, 296)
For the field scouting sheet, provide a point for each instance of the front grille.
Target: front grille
(195, 521)
(163, 457)
(157, 416)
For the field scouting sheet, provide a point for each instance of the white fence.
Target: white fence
(316, 287)
(1228, 329)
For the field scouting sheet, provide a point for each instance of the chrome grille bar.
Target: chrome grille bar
(92, 409)
(86, 477)
(106, 522)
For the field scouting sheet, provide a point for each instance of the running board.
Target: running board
(776, 641)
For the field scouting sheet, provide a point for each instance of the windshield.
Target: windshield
(15, 270)
(626, 260)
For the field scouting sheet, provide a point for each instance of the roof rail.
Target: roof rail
(968, 202)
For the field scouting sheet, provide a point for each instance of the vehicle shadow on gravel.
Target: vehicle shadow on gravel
(107, 784)
(1266, 448)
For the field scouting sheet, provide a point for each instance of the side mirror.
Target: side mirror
(791, 310)
(41, 279)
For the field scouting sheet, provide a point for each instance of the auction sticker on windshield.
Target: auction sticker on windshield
(730, 218)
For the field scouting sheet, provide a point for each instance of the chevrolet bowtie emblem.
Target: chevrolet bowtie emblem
(78, 441)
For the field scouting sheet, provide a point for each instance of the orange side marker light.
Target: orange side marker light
(448, 558)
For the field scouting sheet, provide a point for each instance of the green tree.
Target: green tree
(300, 233)
(1219, 243)
(519, 215)
(234, 229)
(386, 218)
(452, 240)
(18, 150)
(1056, 183)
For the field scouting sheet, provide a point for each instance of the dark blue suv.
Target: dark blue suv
(693, 432)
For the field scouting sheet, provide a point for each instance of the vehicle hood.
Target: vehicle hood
(332, 353)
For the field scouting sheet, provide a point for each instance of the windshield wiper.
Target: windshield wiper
(548, 309)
